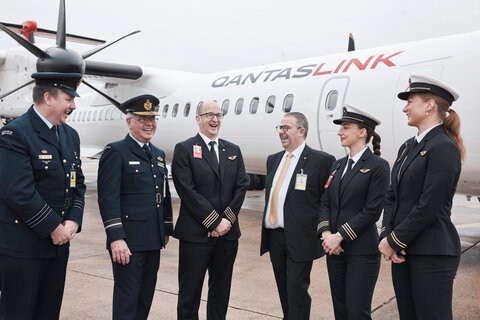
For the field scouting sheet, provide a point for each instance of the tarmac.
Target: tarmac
(89, 284)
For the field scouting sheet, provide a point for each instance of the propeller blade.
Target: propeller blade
(113, 70)
(93, 51)
(113, 101)
(50, 34)
(16, 89)
(61, 26)
(39, 53)
(351, 43)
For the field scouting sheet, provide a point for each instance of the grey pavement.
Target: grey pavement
(88, 290)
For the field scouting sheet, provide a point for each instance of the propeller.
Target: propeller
(351, 42)
(61, 59)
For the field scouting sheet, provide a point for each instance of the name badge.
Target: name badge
(197, 151)
(133, 163)
(301, 181)
(73, 178)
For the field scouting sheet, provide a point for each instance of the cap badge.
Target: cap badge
(147, 105)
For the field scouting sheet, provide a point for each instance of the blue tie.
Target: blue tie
(146, 148)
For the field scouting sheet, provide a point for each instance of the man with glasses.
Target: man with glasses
(135, 204)
(296, 178)
(210, 179)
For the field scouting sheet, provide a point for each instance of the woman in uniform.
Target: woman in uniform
(351, 205)
(417, 233)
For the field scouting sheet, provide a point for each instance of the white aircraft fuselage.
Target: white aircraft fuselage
(317, 87)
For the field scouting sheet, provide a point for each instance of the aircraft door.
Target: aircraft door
(331, 101)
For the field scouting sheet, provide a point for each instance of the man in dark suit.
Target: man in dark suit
(292, 203)
(42, 193)
(135, 204)
(210, 179)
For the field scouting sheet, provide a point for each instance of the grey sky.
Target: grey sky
(215, 35)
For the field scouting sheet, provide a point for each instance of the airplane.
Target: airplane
(253, 99)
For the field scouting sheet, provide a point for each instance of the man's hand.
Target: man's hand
(72, 227)
(120, 252)
(60, 235)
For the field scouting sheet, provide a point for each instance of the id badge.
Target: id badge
(301, 182)
(73, 179)
(197, 151)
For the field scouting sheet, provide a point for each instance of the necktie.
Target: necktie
(272, 217)
(349, 167)
(409, 154)
(146, 148)
(54, 130)
(414, 145)
(213, 154)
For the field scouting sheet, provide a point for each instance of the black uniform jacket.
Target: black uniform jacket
(41, 185)
(133, 195)
(419, 199)
(301, 206)
(208, 192)
(353, 205)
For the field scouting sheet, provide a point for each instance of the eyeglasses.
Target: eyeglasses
(144, 120)
(284, 128)
(210, 115)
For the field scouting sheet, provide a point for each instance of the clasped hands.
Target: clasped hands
(64, 232)
(331, 243)
(389, 254)
(222, 229)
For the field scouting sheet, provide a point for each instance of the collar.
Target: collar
(139, 142)
(357, 157)
(49, 125)
(297, 152)
(420, 137)
(207, 139)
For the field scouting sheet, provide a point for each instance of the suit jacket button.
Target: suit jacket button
(16, 221)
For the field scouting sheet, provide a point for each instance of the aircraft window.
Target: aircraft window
(89, 117)
(331, 101)
(95, 114)
(73, 116)
(186, 111)
(122, 115)
(270, 105)
(225, 105)
(288, 103)
(100, 116)
(199, 105)
(165, 111)
(239, 106)
(116, 114)
(84, 114)
(175, 110)
(254, 105)
(108, 114)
